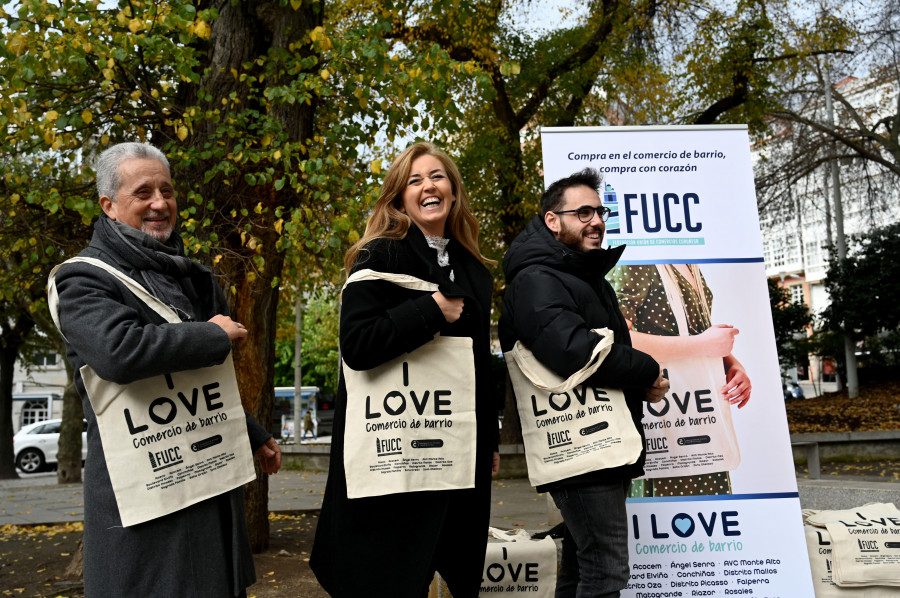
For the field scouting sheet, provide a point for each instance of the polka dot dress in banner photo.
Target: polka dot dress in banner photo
(643, 302)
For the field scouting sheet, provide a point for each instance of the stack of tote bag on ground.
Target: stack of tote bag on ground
(516, 564)
(855, 552)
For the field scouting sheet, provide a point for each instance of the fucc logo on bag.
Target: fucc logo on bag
(386, 447)
(166, 458)
(558, 439)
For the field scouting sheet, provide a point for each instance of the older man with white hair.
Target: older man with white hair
(203, 549)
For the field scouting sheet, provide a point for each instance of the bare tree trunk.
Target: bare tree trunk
(255, 306)
(243, 32)
(75, 570)
(69, 456)
(298, 366)
(12, 336)
(849, 344)
(511, 432)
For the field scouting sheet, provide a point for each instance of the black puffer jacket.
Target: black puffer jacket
(554, 297)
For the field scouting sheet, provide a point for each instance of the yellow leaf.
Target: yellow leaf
(108, 74)
(277, 155)
(136, 95)
(202, 29)
(375, 166)
(296, 4)
(86, 116)
(154, 93)
(14, 198)
(17, 45)
(325, 74)
(217, 259)
(135, 25)
(51, 116)
(279, 224)
(266, 140)
(182, 132)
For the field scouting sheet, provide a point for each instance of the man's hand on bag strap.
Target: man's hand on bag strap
(235, 330)
(659, 389)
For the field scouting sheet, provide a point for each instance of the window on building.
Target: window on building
(34, 411)
(774, 253)
(797, 294)
(45, 360)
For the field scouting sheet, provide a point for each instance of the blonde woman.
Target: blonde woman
(391, 545)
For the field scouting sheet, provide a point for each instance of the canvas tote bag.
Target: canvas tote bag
(690, 431)
(570, 427)
(170, 441)
(822, 564)
(410, 422)
(865, 545)
(516, 565)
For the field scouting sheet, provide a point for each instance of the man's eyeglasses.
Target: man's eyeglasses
(586, 213)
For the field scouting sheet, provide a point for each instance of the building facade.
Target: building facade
(798, 210)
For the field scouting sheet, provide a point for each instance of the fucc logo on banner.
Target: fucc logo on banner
(652, 212)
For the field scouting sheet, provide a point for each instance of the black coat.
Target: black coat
(554, 298)
(204, 549)
(388, 545)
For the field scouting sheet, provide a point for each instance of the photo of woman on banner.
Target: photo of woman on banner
(415, 428)
(691, 443)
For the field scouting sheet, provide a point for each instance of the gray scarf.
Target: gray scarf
(164, 270)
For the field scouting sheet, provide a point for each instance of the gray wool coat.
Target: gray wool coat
(202, 550)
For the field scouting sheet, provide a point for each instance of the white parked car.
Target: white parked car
(36, 445)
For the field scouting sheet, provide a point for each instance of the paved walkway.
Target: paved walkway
(39, 499)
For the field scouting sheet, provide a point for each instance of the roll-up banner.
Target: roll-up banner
(717, 513)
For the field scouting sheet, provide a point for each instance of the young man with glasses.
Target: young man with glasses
(556, 295)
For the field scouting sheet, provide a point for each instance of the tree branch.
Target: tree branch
(572, 62)
(853, 143)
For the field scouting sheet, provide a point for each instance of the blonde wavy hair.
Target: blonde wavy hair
(387, 221)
